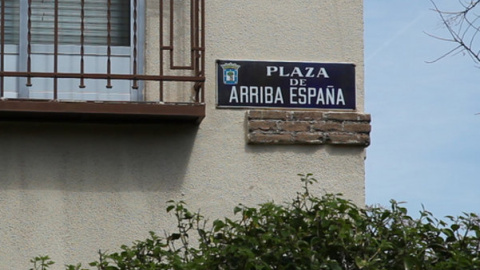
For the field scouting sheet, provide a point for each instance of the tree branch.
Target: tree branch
(463, 27)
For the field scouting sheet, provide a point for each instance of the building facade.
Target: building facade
(88, 161)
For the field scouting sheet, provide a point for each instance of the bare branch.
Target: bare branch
(439, 38)
(445, 55)
(463, 28)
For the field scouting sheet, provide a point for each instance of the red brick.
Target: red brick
(294, 126)
(361, 127)
(267, 115)
(309, 138)
(348, 139)
(307, 115)
(348, 116)
(254, 114)
(264, 125)
(327, 126)
(269, 138)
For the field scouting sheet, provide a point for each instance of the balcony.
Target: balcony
(109, 60)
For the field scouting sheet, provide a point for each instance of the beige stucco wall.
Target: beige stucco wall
(68, 190)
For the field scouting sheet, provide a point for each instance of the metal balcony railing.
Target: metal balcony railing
(59, 35)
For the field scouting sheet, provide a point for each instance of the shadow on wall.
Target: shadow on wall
(94, 157)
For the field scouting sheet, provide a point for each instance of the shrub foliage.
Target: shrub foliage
(310, 232)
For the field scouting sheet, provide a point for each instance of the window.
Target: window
(71, 51)
(89, 36)
(70, 22)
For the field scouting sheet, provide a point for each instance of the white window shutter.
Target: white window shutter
(12, 20)
(69, 22)
(95, 36)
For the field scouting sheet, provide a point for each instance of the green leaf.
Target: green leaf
(170, 208)
(174, 236)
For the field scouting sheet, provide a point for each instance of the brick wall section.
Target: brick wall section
(308, 127)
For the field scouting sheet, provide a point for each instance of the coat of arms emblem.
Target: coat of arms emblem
(230, 73)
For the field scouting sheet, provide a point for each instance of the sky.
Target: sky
(425, 135)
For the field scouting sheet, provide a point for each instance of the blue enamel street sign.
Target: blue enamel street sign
(245, 84)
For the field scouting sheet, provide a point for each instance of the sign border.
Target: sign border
(217, 106)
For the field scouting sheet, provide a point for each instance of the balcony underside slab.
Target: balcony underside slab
(99, 111)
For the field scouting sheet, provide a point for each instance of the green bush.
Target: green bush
(310, 232)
